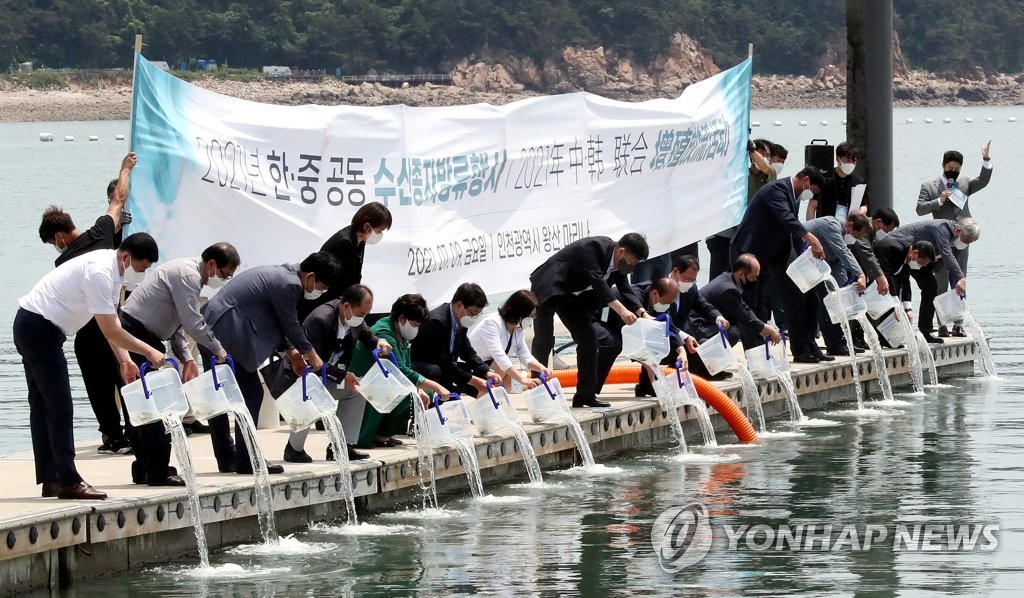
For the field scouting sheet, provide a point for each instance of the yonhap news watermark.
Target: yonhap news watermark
(683, 535)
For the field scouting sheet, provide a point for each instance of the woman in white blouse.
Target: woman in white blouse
(498, 335)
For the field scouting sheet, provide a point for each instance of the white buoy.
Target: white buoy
(910, 121)
(69, 138)
(947, 120)
(46, 137)
(824, 123)
(755, 123)
(989, 119)
(927, 121)
(118, 137)
(803, 123)
(968, 120)
(843, 122)
(777, 123)
(93, 138)
(1012, 119)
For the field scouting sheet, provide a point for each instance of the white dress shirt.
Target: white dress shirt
(72, 293)
(490, 337)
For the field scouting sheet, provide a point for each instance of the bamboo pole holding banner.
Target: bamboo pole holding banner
(131, 106)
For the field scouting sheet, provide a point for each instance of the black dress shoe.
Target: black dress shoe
(860, 346)
(943, 332)
(354, 455)
(720, 376)
(227, 468)
(293, 456)
(805, 358)
(844, 352)
(80, 491)
(171, 480)
(50, 489)
(590, 403)
(247, 469)
(197, 427)
(931, 340)
(822, 357)
(644, 390)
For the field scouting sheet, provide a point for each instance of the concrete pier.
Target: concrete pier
(50, 542)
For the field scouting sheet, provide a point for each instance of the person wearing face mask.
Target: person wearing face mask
(100, 379)
(399, 329)
(835, 238)
(165, 306)
(692, 305)
(902, 259)
(59, 305)
(727, 292)
(948, 237)
(495, 336)
(442, 350)
(883, 222)
(573, 283)
(334, 328)
(656, 298)
(252, 317)
(835, 195)
(348, 245)
(771, 230)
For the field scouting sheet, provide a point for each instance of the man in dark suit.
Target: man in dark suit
(690, 301)
(441, 351)
(656, 297)
(770, 230)
(574, 283)
(253, 316)
(901, 259)
(333, 329)
(726, 293)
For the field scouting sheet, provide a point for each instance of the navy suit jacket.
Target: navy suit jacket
(771, 225)
(433, 345)
(579, 265)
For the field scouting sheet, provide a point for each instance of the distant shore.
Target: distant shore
(113, 102)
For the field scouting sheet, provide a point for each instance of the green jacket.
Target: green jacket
(362, 359)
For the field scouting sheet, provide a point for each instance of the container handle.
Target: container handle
(437, 405)
(213, 369)
(679, 373)
(146, 366)
(494, 401)
(308, 369)
(767, 351)
(384, 370)
(544, 380)
(668, 323)
(724, 336)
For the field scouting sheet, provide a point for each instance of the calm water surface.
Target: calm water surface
(953, 455)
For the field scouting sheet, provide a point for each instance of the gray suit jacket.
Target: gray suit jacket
(256, 312)
(928, 199)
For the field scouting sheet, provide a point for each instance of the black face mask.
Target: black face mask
(951, 174)
(624, 267)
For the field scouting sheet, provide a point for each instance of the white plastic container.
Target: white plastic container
(646, 340)
(447, 421)
(685, 393)
(876, 305)
(847, 300)
(949, 307)
(546, 403)
(155, 394)
(808, 271)
(493, 412)
(207, 394)
(892, 330)
(384, 386)
(306, 401)
(716, 353)
(767, 360)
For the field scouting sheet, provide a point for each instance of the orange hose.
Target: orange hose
(630, 374)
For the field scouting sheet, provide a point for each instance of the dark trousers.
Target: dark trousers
(929, 288)
(774, 287)
(609, 346)
(432, 371)
(718, 247)
(150, 443)
(101, 377)
(233, 454)
(575, 312)
(51, 411)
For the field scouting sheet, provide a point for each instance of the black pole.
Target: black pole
(869, 94)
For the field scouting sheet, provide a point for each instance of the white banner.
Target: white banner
(478, 193)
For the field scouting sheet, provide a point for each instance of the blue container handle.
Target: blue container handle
(679, 373)
(767, 351)
(213, 368)
(668, 323)
(724, 335)
(142, 374)
(494, 401)
(544, 380)
(437, 406)
(384, 370)
(308, 369)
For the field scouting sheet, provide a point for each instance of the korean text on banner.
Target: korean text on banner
(479, 193)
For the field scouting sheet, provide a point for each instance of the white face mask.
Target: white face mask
(407, 330)
(959, 244)
(847, 168)
(526, 322)
(850, 239)
(914, 265)
(467, 320)
(685, 285)
(133, 278)
(806, 195)
(313, 295)
(880, 234)
(354, 320)
(661, 307)
(216, 282)
(778, 167)
(374, 237)
(59, 249)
